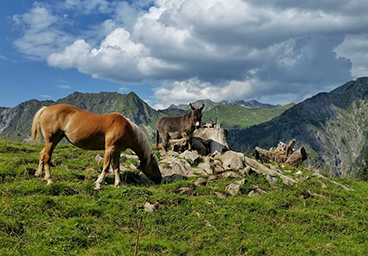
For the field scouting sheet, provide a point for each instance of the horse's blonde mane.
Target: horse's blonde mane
(142, 141)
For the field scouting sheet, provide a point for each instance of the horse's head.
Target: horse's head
(151, 169)
(196, 114)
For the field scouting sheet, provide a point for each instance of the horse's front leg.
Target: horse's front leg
(107, 160)
(116, 167)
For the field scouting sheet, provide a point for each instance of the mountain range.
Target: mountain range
(333, 127)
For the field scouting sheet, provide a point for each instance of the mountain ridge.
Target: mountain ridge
(332, 127)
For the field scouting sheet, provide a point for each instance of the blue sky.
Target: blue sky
(178, 51)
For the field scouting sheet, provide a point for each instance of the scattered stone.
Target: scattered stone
(99, 158)
(220, 195)
(212, 177)
(271, 179)
(233, 189)
(185, 191)
(218, 169)
(148, 207)
(231, 175)
(247, 171)
(190, 155)
(241, 182)
(256, 191)
(206, 166)
(302, 178)
(299, 173)
(132, 167)
(196, 172)
(200, 182)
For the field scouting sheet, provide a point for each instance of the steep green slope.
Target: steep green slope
(236, 116)
(69, 217)
(332, 126)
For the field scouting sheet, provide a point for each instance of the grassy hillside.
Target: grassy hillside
(70, 217)
(230, 116)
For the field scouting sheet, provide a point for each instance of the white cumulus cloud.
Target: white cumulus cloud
(219, 49)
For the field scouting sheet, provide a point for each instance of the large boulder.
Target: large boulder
(231, 159)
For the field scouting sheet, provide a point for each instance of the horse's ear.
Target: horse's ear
(201, 108)
(191, 106)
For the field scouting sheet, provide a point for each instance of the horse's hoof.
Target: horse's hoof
(49, 182)
(97, 187)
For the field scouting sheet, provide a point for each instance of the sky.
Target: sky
(180, 51)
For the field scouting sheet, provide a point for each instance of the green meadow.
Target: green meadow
(69, 217)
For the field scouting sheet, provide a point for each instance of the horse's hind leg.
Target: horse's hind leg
(40, 164)
(109, 152)
(116, 167)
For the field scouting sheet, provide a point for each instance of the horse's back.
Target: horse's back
(82, 128)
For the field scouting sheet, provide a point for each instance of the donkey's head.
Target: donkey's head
(196, 114)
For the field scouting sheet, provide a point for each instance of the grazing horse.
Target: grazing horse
(111, 132)
(178, 126)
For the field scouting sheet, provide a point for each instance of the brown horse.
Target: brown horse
(111, 132)
(178, 126)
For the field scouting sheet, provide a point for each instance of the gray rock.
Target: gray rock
(99, 158)
(200, 182)
(220, 195)
(271, 179)
(190, 155)
(232, 160)
(148, 207)
(256, 191)
(206, 166)
(299, 173)
(232, 175)
(247, 171)
(213, 177)
(241, 182)
(233, 189)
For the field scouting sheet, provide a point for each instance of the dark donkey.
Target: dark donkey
(178, 126)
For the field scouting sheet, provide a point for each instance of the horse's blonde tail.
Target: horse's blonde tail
(36, 127)
(157, 138)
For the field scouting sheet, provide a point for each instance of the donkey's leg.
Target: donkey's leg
(109, 152)
(50, 144)
(116, 167)
(165, 141)
(40, 164)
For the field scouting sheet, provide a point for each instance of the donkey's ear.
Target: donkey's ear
(191, 106)
(201, 108)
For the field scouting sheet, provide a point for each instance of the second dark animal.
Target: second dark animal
(178, 126)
